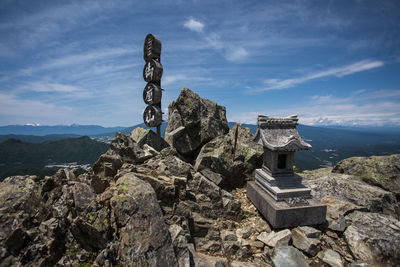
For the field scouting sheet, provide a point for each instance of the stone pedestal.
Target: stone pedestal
(282, 187)
(282, 215)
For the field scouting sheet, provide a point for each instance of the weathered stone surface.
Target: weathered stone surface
(307, 239)
(337, 210)
(216, 155)
(228, 235)
(143, 235)
(87, 235)
(106, 167)
(214, 202)
(169, 163)
(146, 136)
(382, 171)
(275, 239)
(374, 238)
(16, 241)
(84, 198)
(193, 121)
(351, 189)
(19, 197)
(127, 149)
(288, 256)
(331, 257)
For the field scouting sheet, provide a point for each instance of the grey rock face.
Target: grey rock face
(307, 239)
(127, 149)
(382, 171)
(331, 257)
(216, 156)
(146, 136)
(288, 256)
(276, 239)
(350, 189)
(374, 238)
(193, 121)
(336, 212)
(143, 235)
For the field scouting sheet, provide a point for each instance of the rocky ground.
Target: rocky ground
(147, 202)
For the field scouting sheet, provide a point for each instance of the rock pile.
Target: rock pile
(183, 204)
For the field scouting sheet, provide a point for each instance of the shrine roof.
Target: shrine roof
(279, 134)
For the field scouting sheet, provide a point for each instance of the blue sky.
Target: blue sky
(330, 62)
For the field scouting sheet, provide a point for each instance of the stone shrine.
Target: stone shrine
(277, 191)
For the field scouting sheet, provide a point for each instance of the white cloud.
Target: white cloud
(170, 79)
(31, 110)
(194, 25)
(79, 59)
(237, 54)
(277, 84)
(51, 87)
(356, 109)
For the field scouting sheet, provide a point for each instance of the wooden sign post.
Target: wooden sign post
(152, 73)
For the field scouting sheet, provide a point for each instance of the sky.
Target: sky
(81, 62)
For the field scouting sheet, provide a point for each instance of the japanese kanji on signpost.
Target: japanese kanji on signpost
(152, 72)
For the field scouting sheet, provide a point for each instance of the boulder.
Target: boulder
(336, 211)
(275, 239)
(128, 150)
(331, 257)
(217, 156)
(213, 201)
(87, 235)
(84, 198)
(288, 256)
(351, 189)
(307, 239)
(374, 238)
(193, 121)
(168, 162)
(143, 235)
(106, 167)
(382, 171)
(19, 198)
(146, 136)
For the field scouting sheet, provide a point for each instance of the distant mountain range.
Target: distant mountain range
(329, 144)
(57, 129)
(18, 157)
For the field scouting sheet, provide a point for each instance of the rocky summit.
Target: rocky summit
(184, 204)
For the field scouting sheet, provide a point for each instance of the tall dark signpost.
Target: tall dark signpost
(152, 73)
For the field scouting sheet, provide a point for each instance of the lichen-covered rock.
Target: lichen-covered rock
(146, 136)
(193, 121)
(213, 201)
(169, 163)
(19, 198)
(352, 189)
(143, 235)
(123, 149)
(374, 238)
(383, 171)
(217, 156)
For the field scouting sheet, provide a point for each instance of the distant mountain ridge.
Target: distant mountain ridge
(37, 138)
(17, 156)
(57, 129)
(329, 144)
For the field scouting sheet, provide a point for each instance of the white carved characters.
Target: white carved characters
(149, 70)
